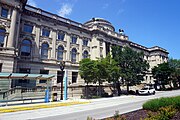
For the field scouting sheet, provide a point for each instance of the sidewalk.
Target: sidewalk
(34, 106)
(18, 106)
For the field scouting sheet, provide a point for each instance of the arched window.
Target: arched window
(85, 54)
(73, 55)
(44, 51)
(60, 53)
(26, 48)
(2, 36)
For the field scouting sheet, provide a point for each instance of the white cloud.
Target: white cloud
(65, 10)
(105, 6)
(120, 11)
(32, 3)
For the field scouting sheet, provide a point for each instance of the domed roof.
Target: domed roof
(100, 22)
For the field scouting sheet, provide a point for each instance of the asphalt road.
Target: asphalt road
(97, 109)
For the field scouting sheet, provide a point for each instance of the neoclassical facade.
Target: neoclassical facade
(35, 41)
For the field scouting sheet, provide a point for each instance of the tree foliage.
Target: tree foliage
(87, 70)
(132, 64)
(175, 75)
(162, 73)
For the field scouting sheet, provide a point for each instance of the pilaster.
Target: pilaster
(37, 43)
(80, 48)
(13, 27)
(68, 39)
(53, 52)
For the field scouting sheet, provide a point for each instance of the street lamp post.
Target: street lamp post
(62, 66)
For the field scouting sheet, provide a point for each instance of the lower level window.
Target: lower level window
(0, 67)
(74, 77)
(24, 70)
(43, 72)
(60, 76)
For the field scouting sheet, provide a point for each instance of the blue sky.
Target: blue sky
(146, 22)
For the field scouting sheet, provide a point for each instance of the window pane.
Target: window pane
(44, 51)
(85, 54)
(74, 77)
(27, 42)
(2, 31)
(74, 40)
(60, 75)
(2, 36)
(4, 12)
(60, 52)
(24, 70)
(45, 32)
(2, 40)
(73, 55)
(43, 72)
(0, 67)
(61, 36)
(28, 28)
(85, 42)
(26, 48)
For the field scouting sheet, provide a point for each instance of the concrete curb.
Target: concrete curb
(40, 106)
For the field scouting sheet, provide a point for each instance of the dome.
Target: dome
(100, 22)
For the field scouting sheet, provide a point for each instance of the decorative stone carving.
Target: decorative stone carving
(4, 24)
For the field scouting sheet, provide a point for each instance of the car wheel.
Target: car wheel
(148, 93)
(154, 93)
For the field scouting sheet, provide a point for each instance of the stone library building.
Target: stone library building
(34, 41)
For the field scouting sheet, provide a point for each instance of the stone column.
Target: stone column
(54, 37)
(37, 41)
(12, 32)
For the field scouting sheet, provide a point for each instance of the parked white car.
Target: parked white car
(147, 91)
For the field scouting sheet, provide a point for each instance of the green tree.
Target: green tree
(113, 72)
(100, 73)
(132, 64)
(162, 73)
(175, 75)
(87, 71)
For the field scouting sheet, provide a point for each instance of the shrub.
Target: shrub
(155, 104)
(164, 113)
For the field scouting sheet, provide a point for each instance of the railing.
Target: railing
(19, 90)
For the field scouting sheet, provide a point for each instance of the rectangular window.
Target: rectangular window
(101, 52)
(74, 40)
(4, 12)
(24, 70)
(85, 42)
(42, 71)
(0, 67)
(60, 76)
(28, 28)
(107, 48)
(2, 40)
(74, 77)
(61, 36)
(45, 32)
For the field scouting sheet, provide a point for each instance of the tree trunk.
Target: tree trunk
(87, 91)
(127, 88)
(99, 89)
(118, 88)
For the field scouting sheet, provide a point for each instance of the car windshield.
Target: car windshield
(144, 89)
